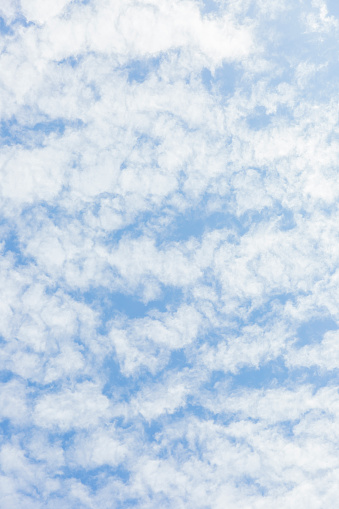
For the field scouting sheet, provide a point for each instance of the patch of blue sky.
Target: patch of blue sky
(223, 80)
(64, 438)
(13, 133)
(145, 138)
(286, 219)
(144, 222)
(19, 20)
(57, 213)
(215, 378)
(119, 385)
(197, 221)
(284, 75)
(152, 429)
(179, 417)
(296, 46)
(139, 70)
(274, 374)
(259, 119)
(83, 2)
(96, 95)
(312, 331)
(36, 388)
(131, 501)
(286, 428)
(12, 245)
(111, 305)
(127, 503)
(178, 360)
(262, 312)
(192, 223)
(72, 61)
(293, 41)
(9, 29)
(95, 478)
(333, 8)
(267, 375)
(5, 374)
(124, 386)
(115, 381)
(209, 7)
(250, 484)
(6, 430)
(4, 28)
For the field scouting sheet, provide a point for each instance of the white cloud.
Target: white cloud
(324, 354)
(40, 11)
(13, 404)
(147, 342)
(82, 407)
(100, 448)
(168, 192)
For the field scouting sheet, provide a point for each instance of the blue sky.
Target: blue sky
(169, 254)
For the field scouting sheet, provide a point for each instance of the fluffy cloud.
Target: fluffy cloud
(169, 254)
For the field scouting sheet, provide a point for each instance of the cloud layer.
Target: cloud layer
(169, 254)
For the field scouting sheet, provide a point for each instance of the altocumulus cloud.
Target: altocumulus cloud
(169, 266)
